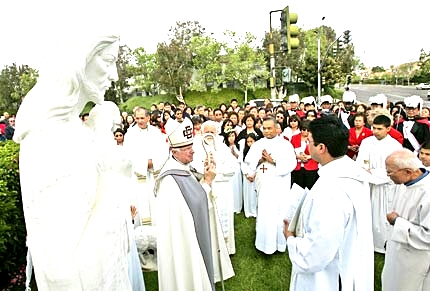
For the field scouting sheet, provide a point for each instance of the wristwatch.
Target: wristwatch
(274, 162)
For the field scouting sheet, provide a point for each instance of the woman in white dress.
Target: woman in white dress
(236, 181)
(248, 188)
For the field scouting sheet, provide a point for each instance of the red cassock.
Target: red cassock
(354, 140)
(310, 165)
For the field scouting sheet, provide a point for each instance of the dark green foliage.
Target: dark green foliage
(12, 227)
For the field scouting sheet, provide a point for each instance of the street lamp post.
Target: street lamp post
(319, 62)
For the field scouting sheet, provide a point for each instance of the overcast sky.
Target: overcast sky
(384, 32)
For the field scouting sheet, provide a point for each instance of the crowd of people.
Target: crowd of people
(257, 149)
(160, 193)
(194, 168)
(247, 158)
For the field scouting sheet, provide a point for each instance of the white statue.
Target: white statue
(75, 238)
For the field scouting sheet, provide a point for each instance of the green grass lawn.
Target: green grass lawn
(256, 271)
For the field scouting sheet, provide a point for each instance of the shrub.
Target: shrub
(12, 226)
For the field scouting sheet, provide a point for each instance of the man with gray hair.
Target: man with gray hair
(222, 189)
(407, 258)
(183, 227)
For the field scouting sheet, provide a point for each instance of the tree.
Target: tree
(116, 92)
(378, 69)
(244, 64)
(143, 71)
(423, 74)
(207, 63)
(175, 60)
(15, 83)
(282, 60)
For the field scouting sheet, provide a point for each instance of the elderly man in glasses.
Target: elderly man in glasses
(407, 260)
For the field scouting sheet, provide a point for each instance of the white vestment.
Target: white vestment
(222, 185)
(382, 189)
(335, 237)
(180, 263)
(272, 184)
(237, 184)
(407, 260)
(248, 189)
(143, 145)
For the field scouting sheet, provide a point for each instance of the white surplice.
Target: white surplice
(382, 190)
(142, 145)
(407, 260)
(335, 237)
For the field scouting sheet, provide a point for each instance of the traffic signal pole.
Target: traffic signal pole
(272, 78)
(319, 63)
(289, 40)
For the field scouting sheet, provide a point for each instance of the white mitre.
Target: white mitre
(179, 134)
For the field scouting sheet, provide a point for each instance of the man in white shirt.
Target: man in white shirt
(373, 152)
(148, 150)
(331, 245)
(271, 161)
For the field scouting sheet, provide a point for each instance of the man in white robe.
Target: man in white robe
(222, 188)
(373, 152)
(331, 244)
(148, 150)
(407, 260)
(183, 227)
(271, 160)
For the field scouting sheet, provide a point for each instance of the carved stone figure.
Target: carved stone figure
(75, 237)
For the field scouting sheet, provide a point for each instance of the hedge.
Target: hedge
(12, 226)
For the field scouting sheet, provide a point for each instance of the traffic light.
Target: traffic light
(289, 32)
(334, 50)
(339, 45)
(347, 37)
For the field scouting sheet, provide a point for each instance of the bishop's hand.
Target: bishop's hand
(210, 169)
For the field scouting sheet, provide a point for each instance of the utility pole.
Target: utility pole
(272, 78)
(272, 68)
(319, 63)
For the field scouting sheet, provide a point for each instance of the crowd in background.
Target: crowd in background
(376, 129)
